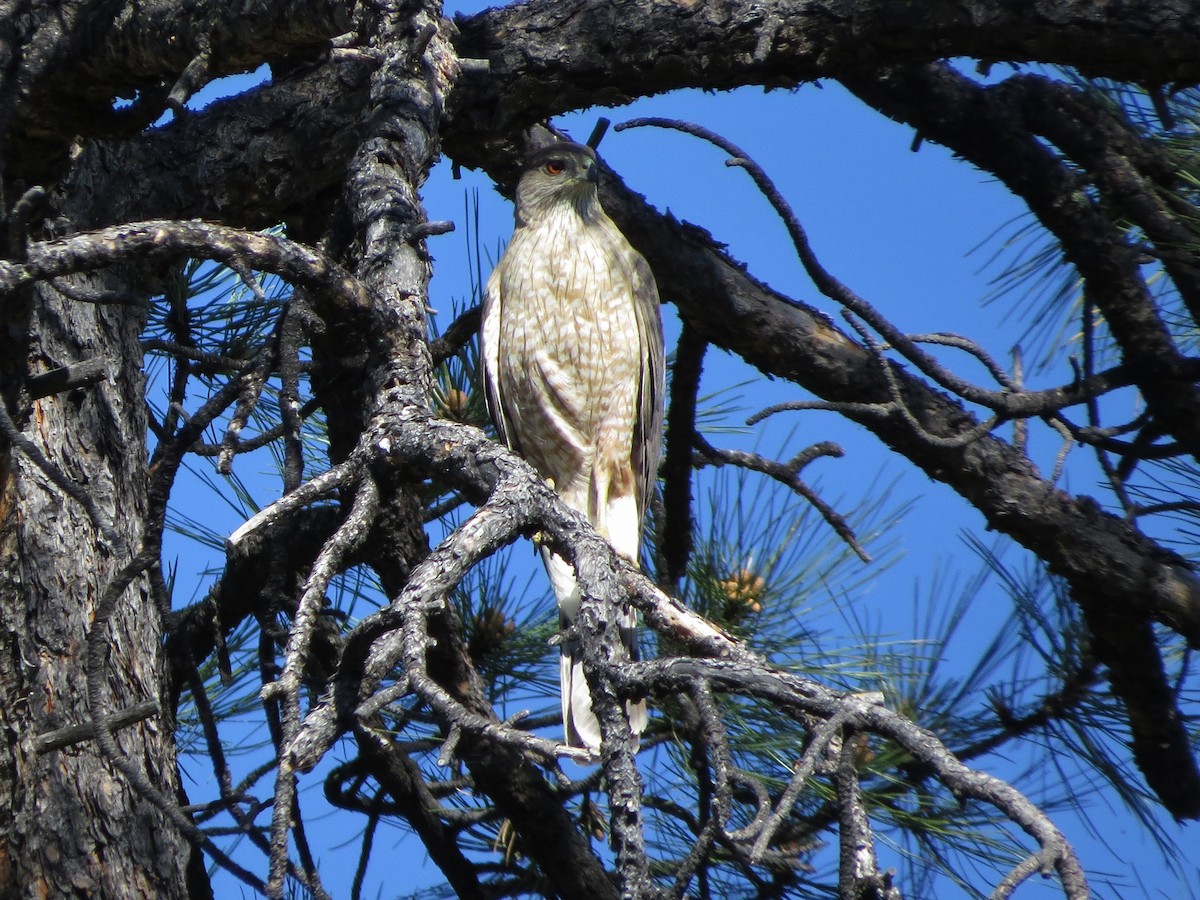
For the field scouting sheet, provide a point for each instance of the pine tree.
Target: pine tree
(220, 341)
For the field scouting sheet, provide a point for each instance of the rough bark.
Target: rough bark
(73, 825)
(274, 154)
(75, 59)
(544, 57)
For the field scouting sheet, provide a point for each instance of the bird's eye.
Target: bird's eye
(555, 167)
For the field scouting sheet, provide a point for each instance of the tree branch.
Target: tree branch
(543, 60)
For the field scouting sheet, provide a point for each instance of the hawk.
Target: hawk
(573, 364)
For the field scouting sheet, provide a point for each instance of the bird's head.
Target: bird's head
(558, 173)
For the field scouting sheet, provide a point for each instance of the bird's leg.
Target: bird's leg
(598, 501)
(617, 516)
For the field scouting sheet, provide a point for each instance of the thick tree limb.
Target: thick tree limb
(78, 57)
(791, 340)
(165, 240)
(547, 61)
(231, 151)
(543, 58)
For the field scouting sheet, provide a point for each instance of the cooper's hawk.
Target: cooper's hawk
(573, 364)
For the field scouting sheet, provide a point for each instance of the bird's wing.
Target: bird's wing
(648, 428)
(489, 352)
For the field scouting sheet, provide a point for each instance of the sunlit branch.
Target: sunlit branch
(320, 486)
(349, 535)
(169, 240)
(739, 672)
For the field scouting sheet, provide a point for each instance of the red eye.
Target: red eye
(555, 167)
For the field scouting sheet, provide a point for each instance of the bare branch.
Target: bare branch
(786, 474)
(158, 240)
(68, 378)
(320, 486)
(349, 535)
(75, 734)
(860, 878)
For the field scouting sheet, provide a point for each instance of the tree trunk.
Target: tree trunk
(77, 826)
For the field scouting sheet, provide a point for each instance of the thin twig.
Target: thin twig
(314, 489)
(351, 533)
(822, 736)
(962, 439)
(784, 474)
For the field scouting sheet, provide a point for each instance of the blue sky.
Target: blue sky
(915, 234)
(912, 232)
